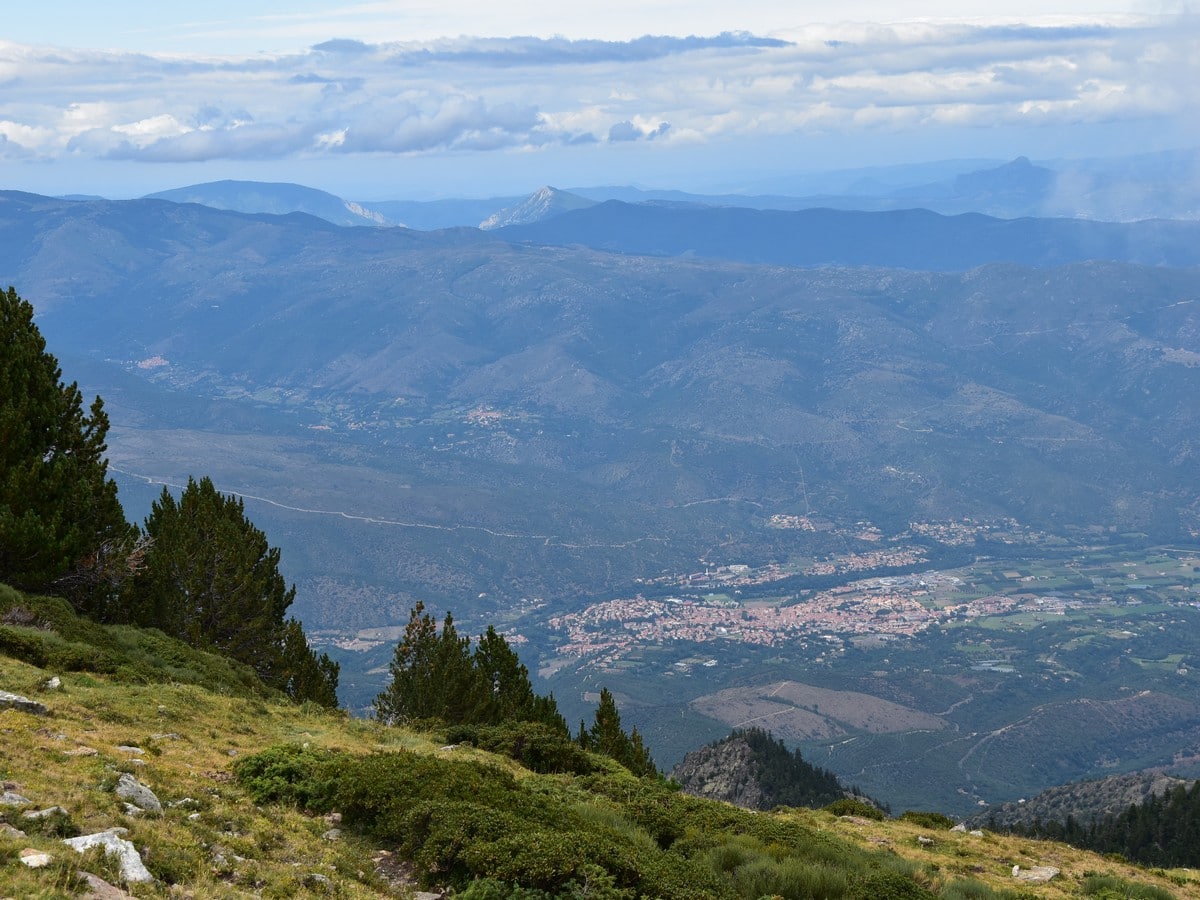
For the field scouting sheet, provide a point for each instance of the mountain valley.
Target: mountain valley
(525, 434)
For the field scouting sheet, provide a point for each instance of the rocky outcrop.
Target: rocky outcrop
(1034, 875)
(727, 771)
(751, 768)
(23, 704)
(545, 203)
(12, 798)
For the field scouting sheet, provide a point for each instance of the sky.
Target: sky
(391, 100)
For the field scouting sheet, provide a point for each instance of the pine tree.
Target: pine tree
(409, 694)
(638, 761)
(507, 693)
(435, 675)
(62, 529)
(210, 578)
(606, 735)
(609, 738)
(302, 674)
(459, 689)
(432, 674)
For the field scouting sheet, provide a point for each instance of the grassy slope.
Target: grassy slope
(192, 736)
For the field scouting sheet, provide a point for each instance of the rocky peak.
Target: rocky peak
(544, 203)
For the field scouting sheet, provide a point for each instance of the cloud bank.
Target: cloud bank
(343, 97)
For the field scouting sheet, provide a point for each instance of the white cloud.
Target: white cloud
(350, 97)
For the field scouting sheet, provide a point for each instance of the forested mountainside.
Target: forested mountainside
(1162, 830)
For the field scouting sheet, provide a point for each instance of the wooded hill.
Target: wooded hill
(1164, 830)
(754, 769)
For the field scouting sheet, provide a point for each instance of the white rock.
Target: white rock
(35, 859)
(132, 868)
(99, 889)
(11, 798)
(44, 813)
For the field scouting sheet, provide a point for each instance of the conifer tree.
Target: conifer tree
(406, 696)
(606, 735)
(507, 693)
(62, 529)
(210, 578)
(435, 675)
(458, 687)
(303, 674)
(609, 738)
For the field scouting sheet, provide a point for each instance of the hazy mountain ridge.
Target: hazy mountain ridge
(1124, 189)
(273, 199)
(909, 238)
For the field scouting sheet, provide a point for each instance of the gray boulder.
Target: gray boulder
(12, 798)
(130, 789)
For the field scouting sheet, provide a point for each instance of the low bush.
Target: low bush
(47, 633)
(535, 745)
(300, 776)
(931, 820)
(1110, 887)
(889, 884)
(852, 806)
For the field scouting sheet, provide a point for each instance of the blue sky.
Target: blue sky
(381, 100)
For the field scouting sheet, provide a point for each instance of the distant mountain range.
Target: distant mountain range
(911, 239)
(1123, 189)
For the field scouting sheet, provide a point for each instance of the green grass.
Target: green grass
(262, 778)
